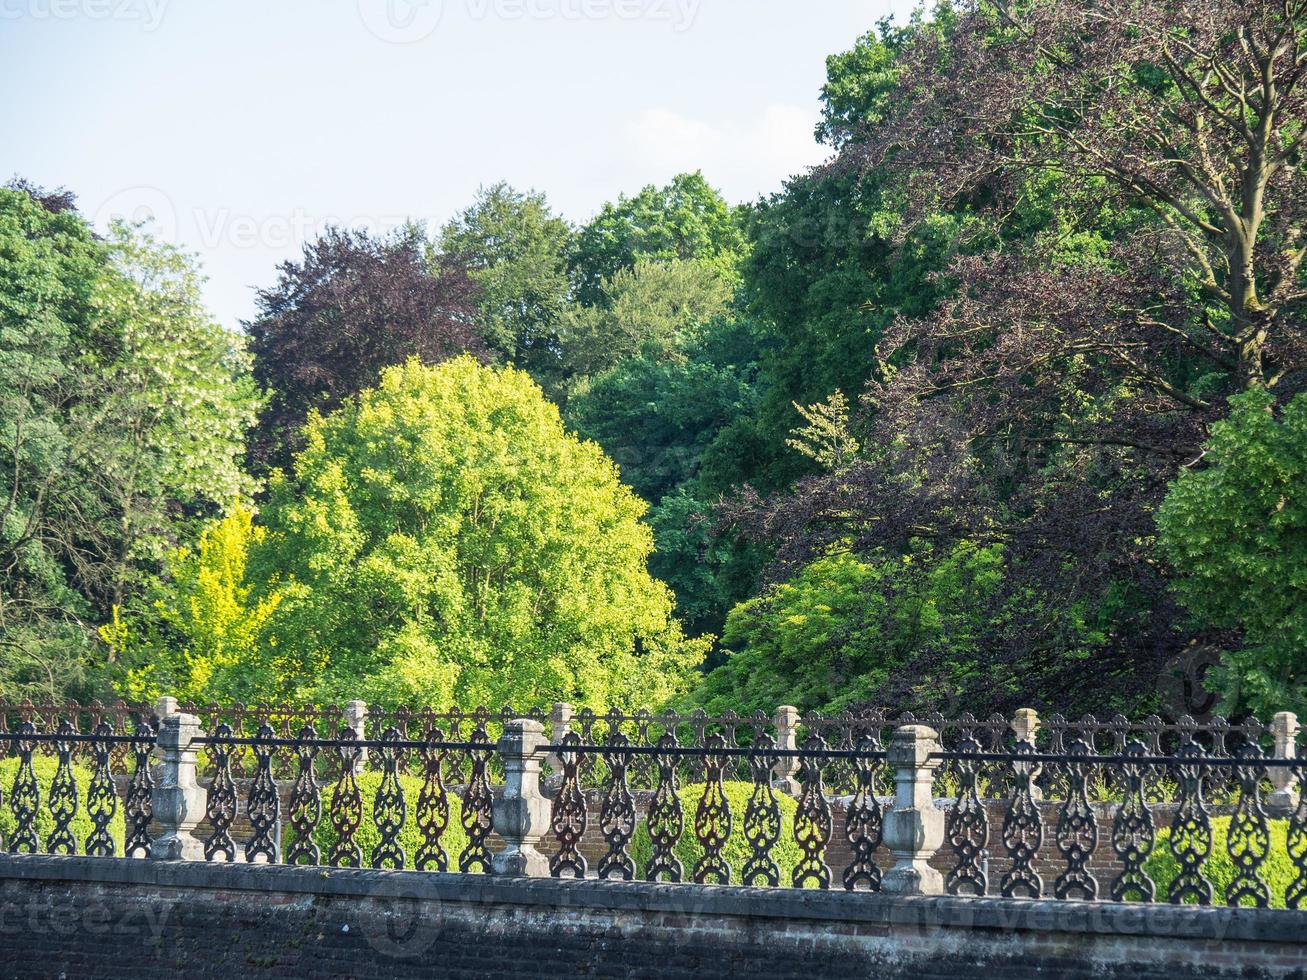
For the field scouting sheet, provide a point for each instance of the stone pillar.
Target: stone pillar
(1284, 728)
(786, 720)
(178, 800)
(164, 707)
(1025, 726)
(560, 723)
(356, 719)
(914, 826)
(520, 815)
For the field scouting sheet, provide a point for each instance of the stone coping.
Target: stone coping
(836, 907)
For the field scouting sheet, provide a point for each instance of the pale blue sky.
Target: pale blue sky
(245, 125)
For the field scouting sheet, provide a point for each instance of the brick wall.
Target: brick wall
(81, 918)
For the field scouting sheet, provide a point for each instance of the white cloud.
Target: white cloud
(744, 159)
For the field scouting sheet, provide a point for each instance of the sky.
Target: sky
(243, 127)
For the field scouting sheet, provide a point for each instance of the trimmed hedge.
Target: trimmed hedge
(785, 852)
(454, 839)
(45, 767)
(1278, 871)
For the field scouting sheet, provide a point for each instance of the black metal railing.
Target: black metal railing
(1139, 812)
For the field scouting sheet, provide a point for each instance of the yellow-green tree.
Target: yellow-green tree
(444, 540)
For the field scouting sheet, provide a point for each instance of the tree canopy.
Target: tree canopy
(354, 304)
(123, 411)
(441, 540)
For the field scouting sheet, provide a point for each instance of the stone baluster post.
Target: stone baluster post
(178, 800)
(356, 719)
(164, 707)
(560, 723)
(1025, 726)
(914, 826)
(1285, 729)
(786, 720)
(520, 815)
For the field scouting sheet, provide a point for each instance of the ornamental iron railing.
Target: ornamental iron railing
(1149, 811)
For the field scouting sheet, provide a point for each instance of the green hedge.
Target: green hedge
(785, 853)
(44, 767)
(1278, 871)
(454, 839)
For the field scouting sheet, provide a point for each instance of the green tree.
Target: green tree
(203, 634)
(515, 248)
(443, 540)
(687, 219)
(123, 409)
(651, 310)
(1236, 530)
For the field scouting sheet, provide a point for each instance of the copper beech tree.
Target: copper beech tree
(1133, 171)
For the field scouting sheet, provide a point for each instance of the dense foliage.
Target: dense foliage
(442, 540)
(123, 411)
(355, 304)
(1237, 528)
(1005, 404)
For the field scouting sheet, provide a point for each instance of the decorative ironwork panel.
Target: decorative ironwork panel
(305, 803)
(617, 812)
(1191, 831)
(220, 810)
(1249, 839)
(666, 821)
(568, 815)
(1023, 829)
(264, 805)
(346, 808)
(139, 804)
(863, 821)
(1133, 833)
(762, 818)
(712, 818)
(63, 796)
(1077, 827)
(967, 828)
(433, 807)
(101, 796)
(812, 820)
(388, 807)
(477, 812)
(1295, 895)
(25, 796)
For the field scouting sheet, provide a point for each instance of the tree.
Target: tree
(202, 633)
(687, 219)
(354, 304)
(515, 248)
(1127, 190)
(123, 410)
(1187, 120)
(1236, 529)
(444, 541)
(651, 310)
(837, 634)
